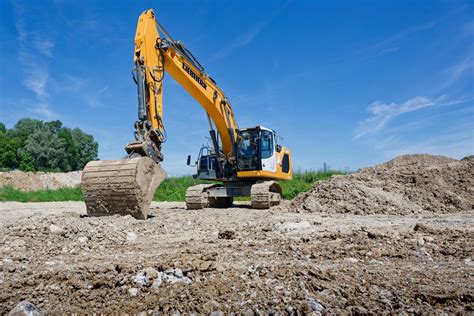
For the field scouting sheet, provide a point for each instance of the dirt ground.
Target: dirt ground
(31, 181)
(239, 259)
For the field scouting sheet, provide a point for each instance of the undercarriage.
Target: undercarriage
(263, 194)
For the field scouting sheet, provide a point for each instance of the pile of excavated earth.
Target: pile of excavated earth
(394, 238)
(405, 185)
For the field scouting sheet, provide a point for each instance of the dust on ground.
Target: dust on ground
(31, 181)
(410, 252)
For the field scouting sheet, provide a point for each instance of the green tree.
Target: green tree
(24, 128)
(26, 162)
(46, 148)
(72, 161)
(8, 149)
(87, 147)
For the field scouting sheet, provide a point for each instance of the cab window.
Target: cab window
(247, 150)
(267, 144)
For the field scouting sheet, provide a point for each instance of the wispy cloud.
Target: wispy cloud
(459, 70)
(457, 142)
(249, 35)
(44, 45)
(44, 110)
(35, 50)
(382, 113)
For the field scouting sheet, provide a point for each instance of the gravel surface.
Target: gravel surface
(236, 259)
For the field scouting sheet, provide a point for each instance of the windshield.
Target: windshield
(247, 150)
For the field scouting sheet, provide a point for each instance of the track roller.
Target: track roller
(265, 194)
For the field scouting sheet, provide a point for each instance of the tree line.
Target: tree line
(34, 145)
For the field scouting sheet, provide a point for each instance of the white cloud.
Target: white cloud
(459, 70)
(45, 46)
(35, 49)
(456, 142)
(44, 110)
(36, 80)
(382, 113)
(249, 35)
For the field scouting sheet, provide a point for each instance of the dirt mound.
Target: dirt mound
(30, 181)
(406, 184)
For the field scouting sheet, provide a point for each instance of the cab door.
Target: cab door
(267, 151)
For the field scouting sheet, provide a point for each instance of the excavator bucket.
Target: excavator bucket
(121, 187)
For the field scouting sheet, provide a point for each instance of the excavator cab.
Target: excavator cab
(255, 149)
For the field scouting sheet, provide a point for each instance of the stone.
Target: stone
(140, 279)
(133, 291)
(289, 226)
(151, 273)
(83, 239)
(226, 234)
(158, 281)
(56, 230)
(351, 260)
(25, 308)
(421, 241)
(131, 236)
(314, 305)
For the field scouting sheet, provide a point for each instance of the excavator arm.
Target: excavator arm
(156, 55)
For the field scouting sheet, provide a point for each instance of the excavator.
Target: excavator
(238, 161)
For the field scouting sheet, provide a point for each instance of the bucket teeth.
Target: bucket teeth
(124, 187)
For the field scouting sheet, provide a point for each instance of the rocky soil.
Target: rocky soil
(239, 259)
(395, 238)
(31, 181)
(405, 185)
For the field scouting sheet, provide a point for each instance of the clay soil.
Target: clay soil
(239, 259)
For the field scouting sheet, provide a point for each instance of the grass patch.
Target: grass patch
(174, 189)
(171, 189)
(66, 194)
(303, 181)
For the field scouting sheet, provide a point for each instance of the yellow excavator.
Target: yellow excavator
(245, 161)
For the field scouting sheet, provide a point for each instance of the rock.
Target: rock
(371, 235)
(25, 308)
(151, 273)
(83, 239)
(133, 291)
(121, 281)
(131, 236)
(421, 241)
(158, 281)
(56, 230)
(18, 243)
(289, 226)
(178, 272)
(314, 305)
(140, 279)
(351, 260)
(226, 234)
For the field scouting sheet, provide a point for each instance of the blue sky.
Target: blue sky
(343, 82)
